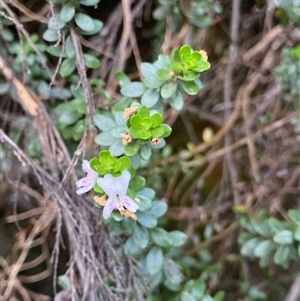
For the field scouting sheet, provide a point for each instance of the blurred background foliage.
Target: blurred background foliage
(229, 171)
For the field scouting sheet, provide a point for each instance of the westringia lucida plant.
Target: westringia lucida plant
(129, 132)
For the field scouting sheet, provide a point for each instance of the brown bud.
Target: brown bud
(126, 139)
(129, 111)
(155, 140)
(204, 55)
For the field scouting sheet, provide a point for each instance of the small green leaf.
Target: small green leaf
(161, 237)
(184, 52)
(157, 132)
(147, 192)
(131, 148)
(50, 35)
(168, 89)
(185, 296)
(190, 88)
(97, 27)
(103, 122)
(68, 117)
(219, 296)
(134, 89)
(67, 67)
(131, 248)
(55, 51)
(158, 209)
(282, 256)
(67, 12)
(91, 61)
(144, 134)
(147, 69)
(141, 236)
(249, 246)
(118, 130)
(154, 260)
(150, 97)
(294, 216)
(297, 234)
(84, 22)
(163, 74)
(64, 282)
(179, 238)
(146, 220)
(153, 82)
(176, 101)
(164, 61)
(122, 79)
(117, 148)
(284, 237)
(145, 152)
(137, 183)
(69, 49)
(167, 130)
(264, 248)
(156, 120)
(89, 2)
(144, 203)
(55, 23)
(105, 139)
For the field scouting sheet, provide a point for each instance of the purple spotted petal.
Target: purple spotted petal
(121, 183)
(107, 183)
(86, 167)
(84, 189)
(129, 204)
(83, 182)
(108, 208)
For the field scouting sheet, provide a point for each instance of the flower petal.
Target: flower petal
(86, 167)
(108, 208)
(83, 182)
(121, 183)
(129, 204)
(85, 189)
(107, 183)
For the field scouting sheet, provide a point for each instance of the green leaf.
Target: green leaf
(153, 82)
(164, 61)
(158, 209)
(104, 123)
(145, 203)
(145, 152)
(146, 220)
(157, 132)
(219, 296)
(134, 89)
(201, 66)
(284, 237)
(64, 282)
(163, 74)
(105, 139)
(89, 2)
(176, 101)
(282, 256)
(297, 234)
(249, 246)
(55, 23)
(156, 120)
(147, 69)
(135, 121)
(117, 148)
(185, 296)
(124, 163)
(275, 224)
(131, 148)
(69, 49)
(264, 249)
(141, 236)
(150, 97)
(50, 35)
(147, 192)
(161, 237)
(118, 130)
(167, 130)
(178, 238)
(55, 51)
(97, 27)
(154, 260)
(190, 75)
(144, 134)
(67, 12)
(122, 79)
(131, 248)
(168, 89)
(137, 183)
(91, 61)
(84, 22)
(68, 117)
(294, 216)
(67, 67)
(184, 52)
(190, 88)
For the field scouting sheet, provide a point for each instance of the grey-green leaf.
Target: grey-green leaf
(91, 61)
(140, 236)
(105, 139)
(84, 22)
(150, 97)
(89, 2)
(67, 12)
(104, 123)
(67, 67)
(154, 260)
(50, 35)
(178, 238)
(134, 89)
(146, 220)
(176, 101)
(168, 89)
(284, 237)
(158, 209)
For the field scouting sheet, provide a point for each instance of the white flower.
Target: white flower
(115, 189)
(87, 183)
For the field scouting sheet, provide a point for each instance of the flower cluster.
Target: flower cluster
(114, 188)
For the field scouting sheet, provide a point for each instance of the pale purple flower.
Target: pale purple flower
(116, 189)
(87, 183)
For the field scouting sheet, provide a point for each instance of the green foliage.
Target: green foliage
(266, 237)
